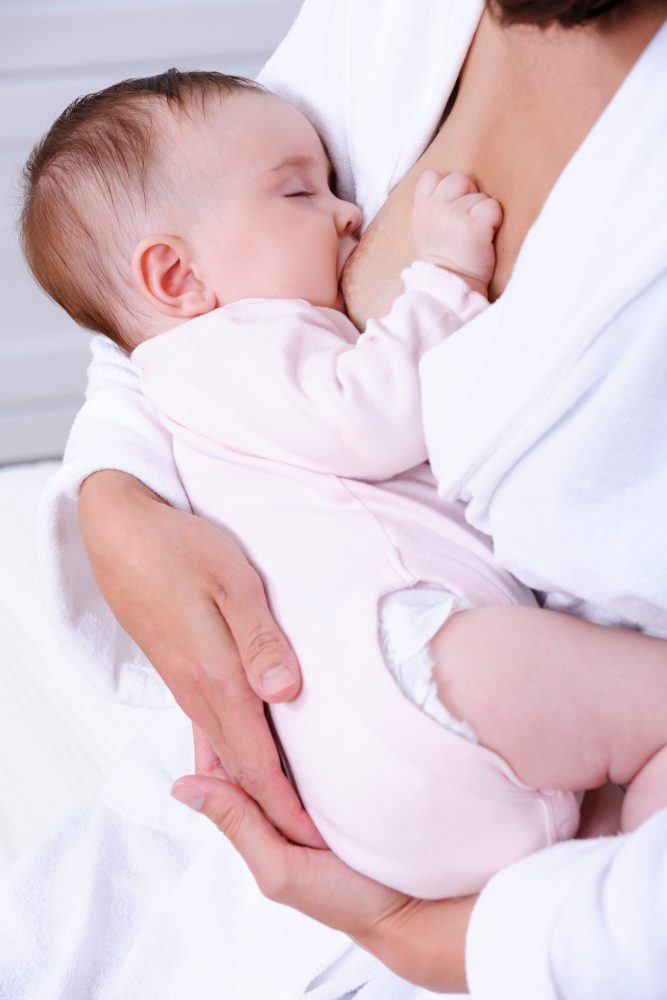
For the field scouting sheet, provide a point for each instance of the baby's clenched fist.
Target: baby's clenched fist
(454, 225)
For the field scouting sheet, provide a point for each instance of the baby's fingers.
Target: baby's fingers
(488, 212)
(455, 186)
(427, 184)
(449, 188)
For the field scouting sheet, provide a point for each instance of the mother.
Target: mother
(376, 83)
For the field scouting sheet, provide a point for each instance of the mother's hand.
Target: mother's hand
(422, 941)
(189, 598)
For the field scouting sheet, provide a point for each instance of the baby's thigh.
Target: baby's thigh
(544, 721)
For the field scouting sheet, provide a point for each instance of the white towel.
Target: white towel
(547, 413)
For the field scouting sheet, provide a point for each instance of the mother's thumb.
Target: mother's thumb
(241, 820)
(269, 663)
(221, 801)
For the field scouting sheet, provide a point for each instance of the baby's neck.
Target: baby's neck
(147, 326)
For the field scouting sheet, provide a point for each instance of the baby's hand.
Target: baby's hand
(454, 226)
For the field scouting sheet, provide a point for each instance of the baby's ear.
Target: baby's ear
(164, 274)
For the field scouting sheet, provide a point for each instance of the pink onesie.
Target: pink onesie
(304, 440)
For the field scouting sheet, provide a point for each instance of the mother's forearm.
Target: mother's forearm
(109, 502)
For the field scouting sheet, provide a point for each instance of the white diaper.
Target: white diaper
(409, 619)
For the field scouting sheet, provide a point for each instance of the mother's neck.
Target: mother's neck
(576, 68)
(550, 86)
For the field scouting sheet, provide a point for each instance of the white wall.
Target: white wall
(50, 53)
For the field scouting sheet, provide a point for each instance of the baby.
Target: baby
(192, 217)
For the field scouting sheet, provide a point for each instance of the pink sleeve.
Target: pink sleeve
(291, 383)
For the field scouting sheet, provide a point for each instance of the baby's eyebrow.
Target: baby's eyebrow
(291, 161)
(302, 161)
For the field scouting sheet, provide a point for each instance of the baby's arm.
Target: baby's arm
(568, 704)
(287, 382)
(296, 384)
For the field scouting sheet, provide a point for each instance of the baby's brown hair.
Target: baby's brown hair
(96, 157)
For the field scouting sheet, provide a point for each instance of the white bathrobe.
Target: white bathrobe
(140, 898)
(547, 413)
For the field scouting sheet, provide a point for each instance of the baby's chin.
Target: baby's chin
(330, 301)
(321, 298)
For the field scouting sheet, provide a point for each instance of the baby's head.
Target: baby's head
(159, 199)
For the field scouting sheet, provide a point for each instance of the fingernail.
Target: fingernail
(189, 796)
(277, 679)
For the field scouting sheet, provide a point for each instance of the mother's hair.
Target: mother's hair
(567, 13)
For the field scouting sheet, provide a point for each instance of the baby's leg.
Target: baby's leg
(600, 811)
(568, 704)
(647, 792)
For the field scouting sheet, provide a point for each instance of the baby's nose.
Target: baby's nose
(348, 218)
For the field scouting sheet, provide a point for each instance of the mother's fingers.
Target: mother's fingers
(279, 798)
(267, 658)
(230, 713)
(315, 882)
(251, 759)
(207, 761)
(284, 872)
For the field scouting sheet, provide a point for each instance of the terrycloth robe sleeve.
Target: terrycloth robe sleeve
(292, 383)
(584, 920)
(116, 429)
